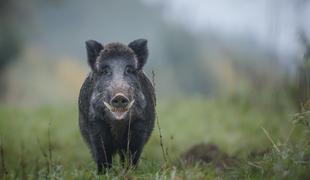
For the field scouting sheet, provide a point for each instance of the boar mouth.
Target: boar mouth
(119, 112)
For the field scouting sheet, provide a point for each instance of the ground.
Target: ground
(264, 142)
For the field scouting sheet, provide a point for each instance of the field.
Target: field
(266, 143)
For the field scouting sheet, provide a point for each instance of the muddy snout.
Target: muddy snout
(119, 101)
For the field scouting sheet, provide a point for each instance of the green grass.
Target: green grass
(236, 127)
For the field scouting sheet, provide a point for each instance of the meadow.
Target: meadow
(268, 143)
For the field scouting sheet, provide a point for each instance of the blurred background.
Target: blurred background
(196, 48)
(222, 68)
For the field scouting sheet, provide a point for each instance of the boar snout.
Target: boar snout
(119, 101)
(119, 106)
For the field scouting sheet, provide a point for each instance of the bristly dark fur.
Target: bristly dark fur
(93, 49)
(140, 48)
(106, 137)
(116, 50)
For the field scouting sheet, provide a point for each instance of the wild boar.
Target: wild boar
(116, 102)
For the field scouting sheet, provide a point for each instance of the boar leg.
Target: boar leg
(100, 146)
(138, 136)
(122, 155)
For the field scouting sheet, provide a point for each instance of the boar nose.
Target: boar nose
(120, 101)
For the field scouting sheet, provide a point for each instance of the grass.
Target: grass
(45, 142)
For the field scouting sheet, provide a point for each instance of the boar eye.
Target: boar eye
(106, 70)
(129, 70)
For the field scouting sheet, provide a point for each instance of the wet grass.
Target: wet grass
(44, 142)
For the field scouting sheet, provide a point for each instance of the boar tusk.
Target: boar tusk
(108, 105)
(130, 104)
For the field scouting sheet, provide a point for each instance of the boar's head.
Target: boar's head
(117, 91)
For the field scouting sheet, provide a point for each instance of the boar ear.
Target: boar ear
(93, 49)
(139, 46)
